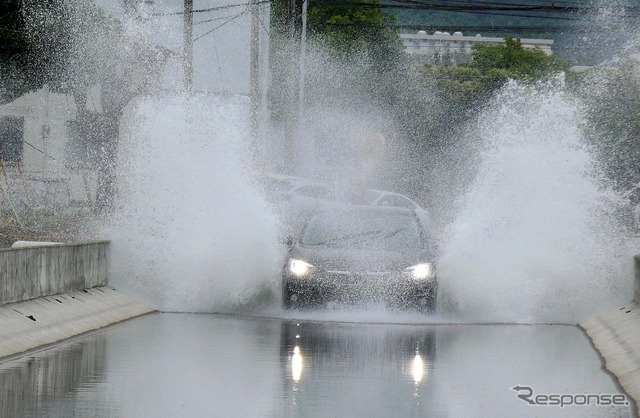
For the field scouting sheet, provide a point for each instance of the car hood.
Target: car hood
(353, 260)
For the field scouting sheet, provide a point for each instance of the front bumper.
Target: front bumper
(396, 289)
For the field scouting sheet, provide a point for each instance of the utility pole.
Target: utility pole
(292, 121)
(302, 66)
(254, 76)
(283, 95)
(188, 46)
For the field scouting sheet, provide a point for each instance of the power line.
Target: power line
(495, 3)
(210, 9)
(13, 30)
(419, 5)
(477, 3)
(565, 18)
(475, 6)
(264, 26)
(221, 25)
(486, 28)
(212, 20)
(39, 150)
(523, 15)
(488, 12)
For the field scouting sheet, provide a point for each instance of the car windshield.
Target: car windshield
(277, 185)
(363, 230)
(372, 195)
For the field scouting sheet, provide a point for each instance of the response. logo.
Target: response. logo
(527, 394)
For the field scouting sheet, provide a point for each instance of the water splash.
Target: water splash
(192, 232)
(536, 238)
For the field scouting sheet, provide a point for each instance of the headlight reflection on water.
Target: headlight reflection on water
(296, 364)
(417, 369)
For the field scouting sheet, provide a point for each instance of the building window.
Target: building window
(11, 137)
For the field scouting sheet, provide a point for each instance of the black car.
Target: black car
(361, 254)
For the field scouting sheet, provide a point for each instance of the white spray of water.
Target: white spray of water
(192, 233)
(536, 239)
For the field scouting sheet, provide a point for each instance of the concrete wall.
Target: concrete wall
(28, 273)
(637, 261)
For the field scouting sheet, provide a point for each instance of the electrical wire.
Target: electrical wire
(13, 30)
(221, 25)
(212, 20)
(497, 29)
(211, 9)
(476, 3)
(475, 6)
(40, 151)
(419, 5)
(264, 26)
(523, 15)
(450, 27)
(504, 3)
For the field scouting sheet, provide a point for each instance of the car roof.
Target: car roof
(366, 208)
(295, 181)
(387, 192)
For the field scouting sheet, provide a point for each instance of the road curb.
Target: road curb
(25, 326)
(616, 336)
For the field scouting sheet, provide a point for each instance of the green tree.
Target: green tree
(354, 39)
(466, 87)
(441, 99)
(511, 60)
(359, 41)
(346, 29)
(353, 61)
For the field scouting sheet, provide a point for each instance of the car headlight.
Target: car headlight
(422, 271)
(299, 268)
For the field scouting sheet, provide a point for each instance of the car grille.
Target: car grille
(358, 278)
(359, 286)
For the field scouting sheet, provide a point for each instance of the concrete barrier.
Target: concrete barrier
(637, 269)
(50, 293)
(31, 244)
(28, 273)
(616, 335)
(38, 322)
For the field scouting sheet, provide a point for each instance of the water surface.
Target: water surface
(183, 365)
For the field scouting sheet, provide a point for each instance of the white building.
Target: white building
(39, 171)
(445, 48)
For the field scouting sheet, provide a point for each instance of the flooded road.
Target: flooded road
(183, 365)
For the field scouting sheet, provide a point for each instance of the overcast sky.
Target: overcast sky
(220, 58)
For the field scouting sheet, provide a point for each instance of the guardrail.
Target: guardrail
(28, 273)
